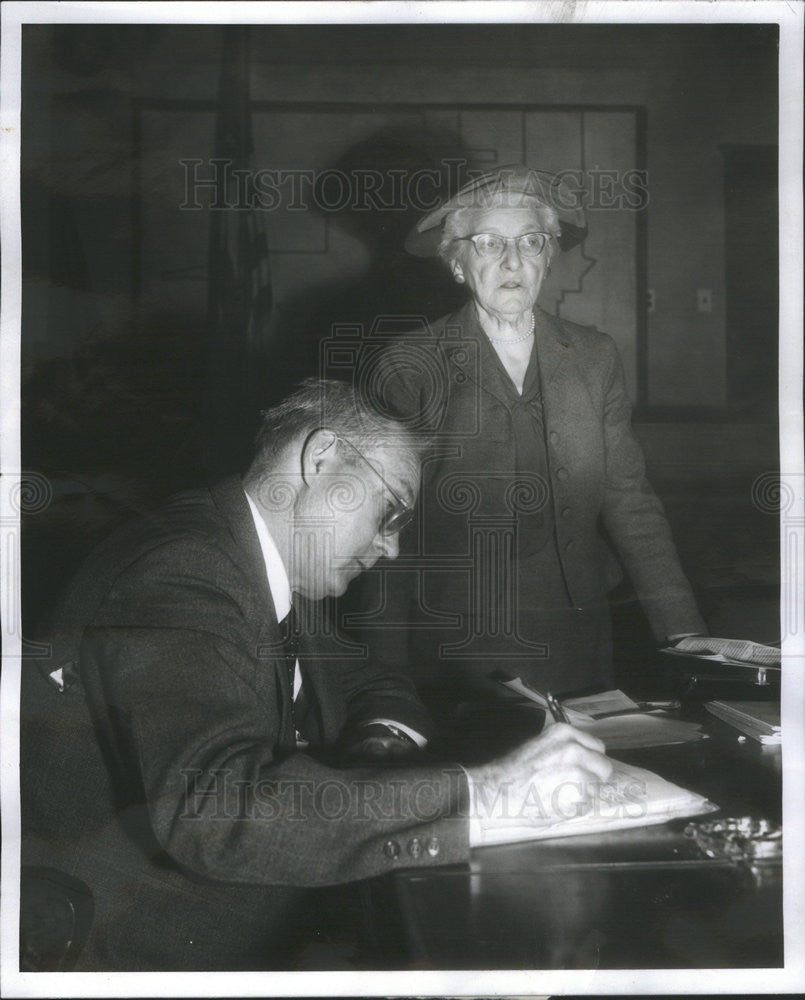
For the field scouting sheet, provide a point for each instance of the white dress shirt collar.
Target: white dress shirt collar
(277, 574)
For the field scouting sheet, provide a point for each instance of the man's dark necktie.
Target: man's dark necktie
(291, 631)
(291, 634)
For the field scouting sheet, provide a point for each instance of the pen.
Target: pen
(557, 711)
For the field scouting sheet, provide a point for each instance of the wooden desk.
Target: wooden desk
(646, 898)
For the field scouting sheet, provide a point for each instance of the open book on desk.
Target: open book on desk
(735, 652)
(614, 717)
(632, 798)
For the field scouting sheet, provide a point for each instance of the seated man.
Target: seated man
(179, 757)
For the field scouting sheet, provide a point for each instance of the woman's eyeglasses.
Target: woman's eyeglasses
(492, 246)
(397, 516)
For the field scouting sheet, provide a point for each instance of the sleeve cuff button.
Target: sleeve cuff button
(415, 847)
(391, 849)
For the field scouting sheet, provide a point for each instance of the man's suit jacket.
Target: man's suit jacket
(167, 777)
(441, 379)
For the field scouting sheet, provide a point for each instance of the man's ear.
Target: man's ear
(458, 271)
(318, 451)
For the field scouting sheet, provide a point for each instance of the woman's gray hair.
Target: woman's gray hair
(456, 223)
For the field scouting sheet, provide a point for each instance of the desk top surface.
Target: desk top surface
(641, 898)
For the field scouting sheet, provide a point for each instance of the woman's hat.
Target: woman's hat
(512, 181)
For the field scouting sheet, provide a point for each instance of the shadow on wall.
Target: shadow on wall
(128, 417)
(395, 285)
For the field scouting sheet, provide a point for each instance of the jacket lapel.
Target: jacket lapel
(462, 330)
(230, 499)
(566, 401)
(553, 347)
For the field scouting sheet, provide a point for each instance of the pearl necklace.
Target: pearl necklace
(515, 340)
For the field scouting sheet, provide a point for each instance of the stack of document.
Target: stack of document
(623, 724)
(758, 719)
(617, 720)
(627, 732)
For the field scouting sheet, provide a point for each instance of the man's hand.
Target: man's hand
(550, 778)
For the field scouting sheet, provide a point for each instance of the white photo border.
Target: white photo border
(498, 983)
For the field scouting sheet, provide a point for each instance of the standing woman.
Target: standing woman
(535, 476)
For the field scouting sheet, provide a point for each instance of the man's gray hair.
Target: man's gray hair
(337, 406)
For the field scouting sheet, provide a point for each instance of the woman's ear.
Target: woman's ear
(318, 449)
(458, 271)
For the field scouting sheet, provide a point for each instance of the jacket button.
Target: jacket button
(567, 511)
(415, 847)
(434, 846)
(553, 437)
(391, 849)
(561, 475)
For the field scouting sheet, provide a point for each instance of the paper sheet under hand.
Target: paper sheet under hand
(641, 798)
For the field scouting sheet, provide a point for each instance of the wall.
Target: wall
(702, 86)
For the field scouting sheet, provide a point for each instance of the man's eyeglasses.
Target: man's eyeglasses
(492, 246)
(398, 515)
